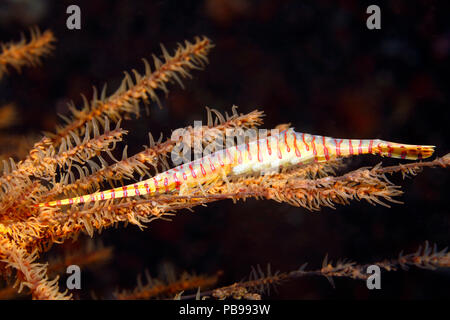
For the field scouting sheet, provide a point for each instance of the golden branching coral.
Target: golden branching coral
(166, 288)
(78, 158)
(29, 273)
(260, 281)
(26, 53)
(73, 147)
(125, 100)
(90, 255)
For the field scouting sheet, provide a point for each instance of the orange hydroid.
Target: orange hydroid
(23, 53)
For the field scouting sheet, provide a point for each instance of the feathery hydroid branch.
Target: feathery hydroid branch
(156, 288)
(260, 282)
(29, 273)
(124, 100)
(127, 97)
(23, 53)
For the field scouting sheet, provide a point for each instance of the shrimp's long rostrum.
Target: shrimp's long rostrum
(282, 150)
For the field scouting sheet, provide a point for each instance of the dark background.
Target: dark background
(311, 63)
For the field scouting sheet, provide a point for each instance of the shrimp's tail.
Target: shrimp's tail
(137, 189)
